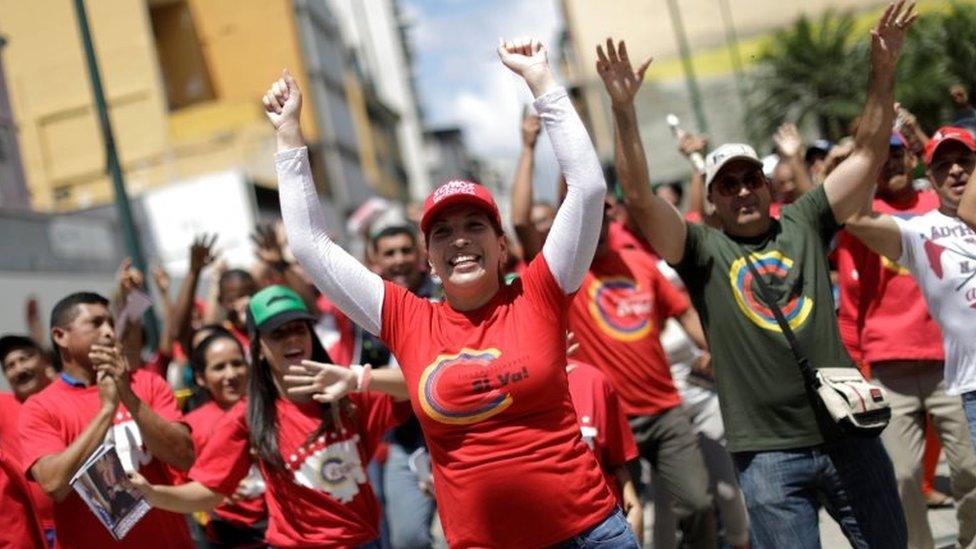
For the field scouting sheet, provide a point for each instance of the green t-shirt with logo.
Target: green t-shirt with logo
(764, 403)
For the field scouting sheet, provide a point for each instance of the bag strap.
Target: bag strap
(809, 376)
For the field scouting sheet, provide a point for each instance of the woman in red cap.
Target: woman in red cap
(485, 369)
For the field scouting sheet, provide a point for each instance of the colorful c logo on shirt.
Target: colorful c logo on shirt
(774, 263)
(476, 406)
(619, 309)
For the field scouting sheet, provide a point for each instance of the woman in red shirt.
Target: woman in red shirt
(311, 455)
(220, 369)
(485, 369)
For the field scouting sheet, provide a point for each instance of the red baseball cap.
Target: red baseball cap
(457, 192)
(948, 133)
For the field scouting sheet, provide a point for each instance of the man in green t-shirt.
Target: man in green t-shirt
(789, 454)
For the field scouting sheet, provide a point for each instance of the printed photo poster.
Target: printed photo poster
(103, 485)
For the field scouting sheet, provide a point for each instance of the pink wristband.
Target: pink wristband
(364, 373)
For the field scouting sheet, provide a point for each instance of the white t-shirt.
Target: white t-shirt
(940, 251)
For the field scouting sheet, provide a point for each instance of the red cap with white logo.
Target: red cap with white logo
(944, 134)
(457, 192)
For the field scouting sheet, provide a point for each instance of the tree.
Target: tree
(815, 74)
(812, 73)
(941, 51)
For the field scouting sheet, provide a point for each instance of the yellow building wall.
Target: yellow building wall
(246, 44)
(51, 99)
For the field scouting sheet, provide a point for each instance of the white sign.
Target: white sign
(219, 203)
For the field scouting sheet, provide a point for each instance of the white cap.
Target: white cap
(725, 154)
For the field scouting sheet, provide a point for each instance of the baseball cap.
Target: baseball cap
(895, 140)
(821, 146)
(721, 156)
(10, 343)
(274, 306)
(948, 133)
(458, 192)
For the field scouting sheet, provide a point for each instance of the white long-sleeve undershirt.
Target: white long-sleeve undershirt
(358, 292)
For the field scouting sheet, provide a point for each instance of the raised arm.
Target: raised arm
(852, 182)
(522, 198)
(166, 336)
(201, 255)
(789, 144)
(354, 289)
(572, 239)
(661, 224)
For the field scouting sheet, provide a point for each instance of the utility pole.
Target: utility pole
(693, 90)
(732, 43)
(129, 235)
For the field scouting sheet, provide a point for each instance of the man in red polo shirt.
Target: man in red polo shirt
(28, 370)
(884, 319)
(617, 317)
(97, 398)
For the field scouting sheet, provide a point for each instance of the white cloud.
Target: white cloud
(462, 82)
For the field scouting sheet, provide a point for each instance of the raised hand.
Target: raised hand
(267, 246)
(788, 140)
(888, 36)
(690, 143)
(531, 125)
(162, 279)
(283, 103)
(619, 76)
(202, 252)
(528, 58)
(324, 382)
(129, 277)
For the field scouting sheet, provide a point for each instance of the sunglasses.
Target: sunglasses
(731, 185)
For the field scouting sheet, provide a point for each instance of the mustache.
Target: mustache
(23, 377)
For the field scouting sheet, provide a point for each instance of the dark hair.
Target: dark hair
(66, 311)
(394, 230)
(235, 275)
(675, 186)
(212, 329)
(10, 343)
(198, 357)
(262, 411)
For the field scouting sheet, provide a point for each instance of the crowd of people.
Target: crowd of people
(541, 388)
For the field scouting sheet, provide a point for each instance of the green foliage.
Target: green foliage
(815, 73)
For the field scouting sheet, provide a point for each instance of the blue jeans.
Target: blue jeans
(612, 532)
(969, 405)
(409, 510)
(854, 479)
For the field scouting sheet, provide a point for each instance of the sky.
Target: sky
(462, 83)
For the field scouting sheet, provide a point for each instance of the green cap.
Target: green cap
(274, 306)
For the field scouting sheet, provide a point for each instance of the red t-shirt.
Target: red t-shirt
(54, 417)
(10, 443)
(247, 511)
(19, 525)
(617, 317)
(882, 312)
(323, 498)
(602, 423)
(336, 332)
(619, 237)
(490, 390)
